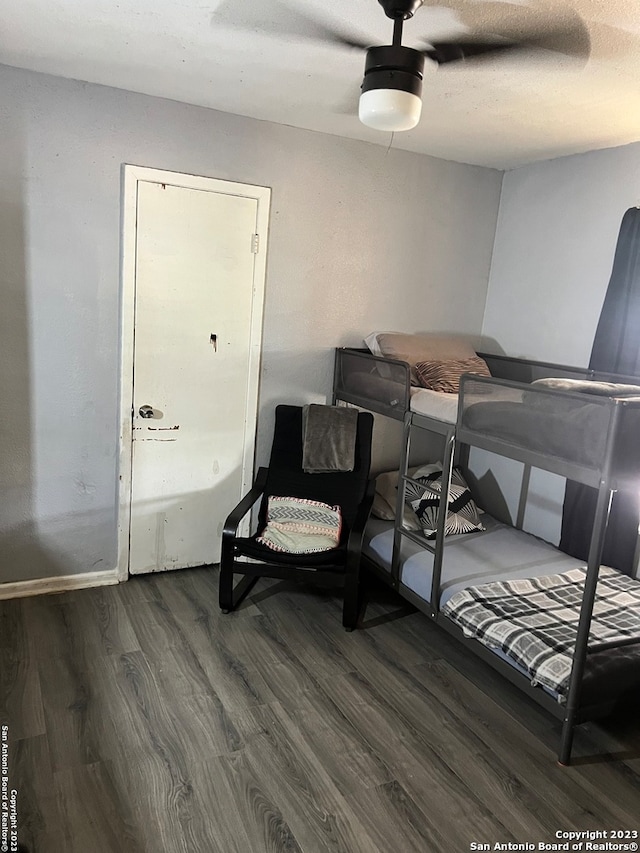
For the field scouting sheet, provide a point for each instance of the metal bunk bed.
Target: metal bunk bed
(539, 428)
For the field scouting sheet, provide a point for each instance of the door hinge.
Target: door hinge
(255, 243)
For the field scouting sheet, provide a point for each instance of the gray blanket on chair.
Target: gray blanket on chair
(328, 438)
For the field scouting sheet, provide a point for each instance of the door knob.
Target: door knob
(145, 411)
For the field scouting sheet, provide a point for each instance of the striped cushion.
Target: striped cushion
(445, 375)
(299, 526)
(423, 495)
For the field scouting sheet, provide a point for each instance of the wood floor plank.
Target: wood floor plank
(158, 724)
(50, 622)
(319, 651)
(368, 654)
(272, 657)
(167, 646)
(156, 768)
(103, 621)
(161, 799)
(20, 694)
(504, 736)
(226, 823)
(417, 766)
(68, 701)
(338, 744)
(312, 805)
(493, 780)
(96, 814)
(39, 818)
(193, 655)
(11, 624)
(208, 650)
(490, 774)
(155, 624)
(152, 744)
(261, 815)
(136, 590)
(187, 685)
(194, 593)
(385, 807)
(619, 734)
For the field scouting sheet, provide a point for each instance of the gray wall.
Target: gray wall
(361, 238)
(555, 240)
(556, 235)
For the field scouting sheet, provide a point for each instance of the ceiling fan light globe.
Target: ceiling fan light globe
(390, 110)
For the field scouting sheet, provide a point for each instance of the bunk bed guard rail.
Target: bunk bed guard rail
(587, 438)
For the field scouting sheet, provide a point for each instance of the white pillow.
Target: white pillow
(371, 341)
(384, 502)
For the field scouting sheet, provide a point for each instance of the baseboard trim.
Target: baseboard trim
(64, 583)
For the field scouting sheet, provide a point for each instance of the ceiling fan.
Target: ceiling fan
(391, 90)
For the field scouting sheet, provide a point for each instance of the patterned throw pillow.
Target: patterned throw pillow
(445, 375)
(299, 526)
(424, 498)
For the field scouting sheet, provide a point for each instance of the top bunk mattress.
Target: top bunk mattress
(434, 404)
(439, 405)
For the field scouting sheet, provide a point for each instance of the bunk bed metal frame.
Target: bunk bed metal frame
(509, 373)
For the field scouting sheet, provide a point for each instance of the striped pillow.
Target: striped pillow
(300, 526)
(445, 375)
(423, 496)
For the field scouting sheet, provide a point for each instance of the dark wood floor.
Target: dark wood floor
(141, 719)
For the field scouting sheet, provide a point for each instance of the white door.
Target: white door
(194, 371)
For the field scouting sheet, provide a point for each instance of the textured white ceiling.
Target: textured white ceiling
(259, 58)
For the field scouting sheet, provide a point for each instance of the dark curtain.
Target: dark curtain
(616, 349)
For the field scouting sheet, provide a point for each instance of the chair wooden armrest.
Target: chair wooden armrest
(353, 601)
(242, 508)
(227, 597)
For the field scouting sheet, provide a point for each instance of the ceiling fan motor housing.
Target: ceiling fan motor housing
(393, 67)
(392, 88)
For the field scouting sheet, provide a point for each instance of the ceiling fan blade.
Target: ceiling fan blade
(571, 40)
(337, 37)
(453, 51)
(276, 18)
(545, 24)
(322, 31)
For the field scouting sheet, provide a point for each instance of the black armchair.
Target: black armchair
(352, 491)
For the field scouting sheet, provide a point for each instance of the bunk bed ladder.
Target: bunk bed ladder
(447, 470)
(402, 492)
(438, 546)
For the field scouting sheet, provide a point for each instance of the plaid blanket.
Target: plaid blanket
(534, 621)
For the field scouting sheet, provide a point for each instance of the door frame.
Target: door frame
(131, 176)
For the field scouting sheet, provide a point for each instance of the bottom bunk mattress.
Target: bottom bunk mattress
(496, 553)
(534, 621)
(502, 553)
